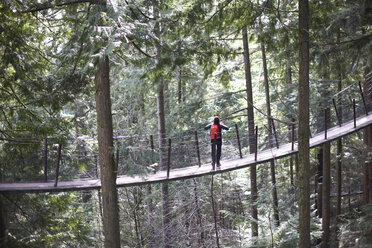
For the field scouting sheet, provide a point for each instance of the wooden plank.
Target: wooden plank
(188, 172)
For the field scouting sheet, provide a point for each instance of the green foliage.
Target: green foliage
(49, 59)
(365, 221)
(48, 220)
(355, 227)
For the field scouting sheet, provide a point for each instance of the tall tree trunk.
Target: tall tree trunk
(137, 192)
(303, 129)
(320, 125)
(269, 125)
(221, 205)
(2, 215)
(150, 232)
(214, 214)
(110, 208)
(367, 182)
(106, 156)
(162, 135)
(339, 141)
(187, 222)
(199, 220)
(2, 223)
(163, 166)
(326, 186)
(339, 176)
(367, 137)
(319, 181)
(251, 130)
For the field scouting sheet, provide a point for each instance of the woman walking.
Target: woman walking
(216, 139)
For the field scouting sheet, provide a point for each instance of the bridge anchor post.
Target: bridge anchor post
(117, 160)
(197, 147)
(293, 133)
(354, 113)
(59, 151)
(325, 122)
(169, 156)
(256, 141)
(152, 142)
(46, 159)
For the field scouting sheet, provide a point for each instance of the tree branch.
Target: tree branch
(139, 10)
(20, 102)
(50, 6)
(368, 36)
(6, 119)
(218, 11)
(5, 133)
(141, 51)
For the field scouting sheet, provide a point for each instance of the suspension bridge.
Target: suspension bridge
(359, 118)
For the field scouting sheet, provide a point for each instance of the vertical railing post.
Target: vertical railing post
(325, 122)
(354, 113)
(275, 134)
(337, 114)
(152, 142)
(169, 156)
(117, 160)
(363, 99)
(197, 147)
(293, 132)
(256, 141)
(238, 138)
(152, 152)
(46, 159)
(96, 164)
(59, 151)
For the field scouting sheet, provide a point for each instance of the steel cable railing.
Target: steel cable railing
(36, 160)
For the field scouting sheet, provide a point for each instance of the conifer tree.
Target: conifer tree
(303, 130)
(106, 153)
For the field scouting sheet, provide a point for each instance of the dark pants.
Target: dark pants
(219, 146)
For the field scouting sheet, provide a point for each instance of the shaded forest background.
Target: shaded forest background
(190, 57)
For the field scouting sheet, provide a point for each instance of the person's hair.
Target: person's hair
(216, 120)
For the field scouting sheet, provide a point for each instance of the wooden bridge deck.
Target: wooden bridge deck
(188, 172)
